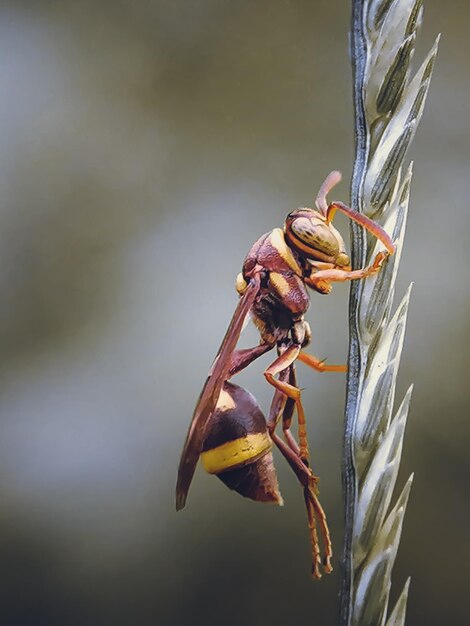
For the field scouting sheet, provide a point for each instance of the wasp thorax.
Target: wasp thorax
(315, 233)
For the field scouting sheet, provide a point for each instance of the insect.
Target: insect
(228, 429)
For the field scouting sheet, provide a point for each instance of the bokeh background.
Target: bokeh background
(144, 147)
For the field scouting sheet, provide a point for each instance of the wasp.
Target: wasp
(228, 430)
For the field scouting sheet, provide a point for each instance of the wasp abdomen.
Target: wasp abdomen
(257, 481)
(237, 446)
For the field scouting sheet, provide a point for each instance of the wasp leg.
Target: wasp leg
(315, 510)
(320, 280)
(288, 414)
(289, 376)
(242, 358)
(319, 514)
(283, 362)
(308, 481)
(283, 407)
(280, 408)
(312, 492)
(320, 365)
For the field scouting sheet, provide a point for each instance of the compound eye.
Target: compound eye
(316, 234)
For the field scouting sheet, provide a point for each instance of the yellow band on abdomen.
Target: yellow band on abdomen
(235, 453)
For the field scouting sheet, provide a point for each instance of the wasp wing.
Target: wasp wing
(210, 393)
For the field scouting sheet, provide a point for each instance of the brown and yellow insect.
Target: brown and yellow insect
(228, 429)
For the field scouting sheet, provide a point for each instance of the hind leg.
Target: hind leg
(282, 408)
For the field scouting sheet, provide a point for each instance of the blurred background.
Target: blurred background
(144, 147)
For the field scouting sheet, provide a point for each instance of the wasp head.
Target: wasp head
(314, 238)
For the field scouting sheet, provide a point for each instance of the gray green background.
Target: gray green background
(144, 147)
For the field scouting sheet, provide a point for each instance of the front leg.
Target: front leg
(321, 280)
